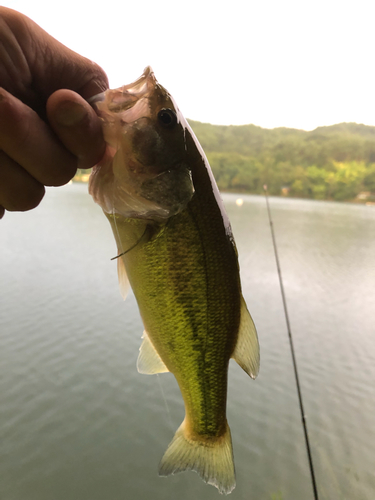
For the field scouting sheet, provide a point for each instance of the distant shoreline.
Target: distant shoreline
(84, 178)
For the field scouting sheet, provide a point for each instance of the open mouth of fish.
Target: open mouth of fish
(145, 171)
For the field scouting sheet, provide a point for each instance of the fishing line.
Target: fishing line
(166, 402)
(133, 246)
(303, 416)
(114, 220)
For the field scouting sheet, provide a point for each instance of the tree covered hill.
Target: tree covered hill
(335, 162)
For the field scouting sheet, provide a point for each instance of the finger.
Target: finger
(30, 142)
(44, 62)
(77, 126)
(18, 189)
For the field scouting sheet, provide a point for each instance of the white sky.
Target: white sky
(273, 63)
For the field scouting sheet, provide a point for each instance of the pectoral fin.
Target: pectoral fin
(122, 278)
(149, 362)
(246, 352)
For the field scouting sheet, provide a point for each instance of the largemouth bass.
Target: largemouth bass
(176, 248)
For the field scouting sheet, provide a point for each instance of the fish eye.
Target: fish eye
(167, 117)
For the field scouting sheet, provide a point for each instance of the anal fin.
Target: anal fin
(246, 352)
(149, 362)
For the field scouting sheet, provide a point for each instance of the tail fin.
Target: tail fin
(211, 458)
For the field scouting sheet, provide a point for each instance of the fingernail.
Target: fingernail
(70, 113)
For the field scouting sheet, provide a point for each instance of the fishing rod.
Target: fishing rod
(303, 416)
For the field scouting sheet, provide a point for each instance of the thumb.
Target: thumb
(77, 126)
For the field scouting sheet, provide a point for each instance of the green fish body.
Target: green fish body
(182, 266)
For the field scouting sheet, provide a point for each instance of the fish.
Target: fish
(176, 250)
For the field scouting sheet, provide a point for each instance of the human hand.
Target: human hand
(47, 129)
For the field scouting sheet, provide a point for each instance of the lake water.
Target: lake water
(77, 421)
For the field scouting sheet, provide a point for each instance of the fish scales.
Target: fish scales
(182, 298)
(178, 253)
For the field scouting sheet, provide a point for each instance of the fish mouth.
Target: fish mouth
(143, 174)
(126, 97)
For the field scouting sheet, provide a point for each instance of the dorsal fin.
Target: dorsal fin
(246, 352)
(149, 362)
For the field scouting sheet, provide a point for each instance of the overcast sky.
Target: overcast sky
(274, 63)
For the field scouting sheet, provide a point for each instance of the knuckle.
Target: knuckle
(11, 119)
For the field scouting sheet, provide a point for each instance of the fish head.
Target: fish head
(144, 172)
